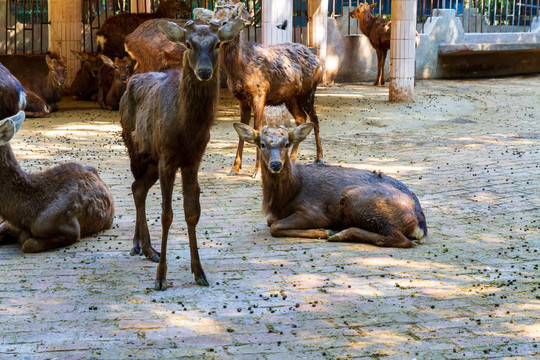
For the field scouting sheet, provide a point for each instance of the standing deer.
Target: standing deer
(315, 200)
(166, 120)
(48, 209)
(85, 84)
(43, 76)
(111, 34)
(259, 75)
(112, 80)
(377, 31)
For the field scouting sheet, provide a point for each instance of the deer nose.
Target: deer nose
(123, 78)
(275, 165)
(61, 82)
(205, 74)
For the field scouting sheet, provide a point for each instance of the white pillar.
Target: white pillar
(274, 13)
(317, 26)
(65, 32)
(140, 6)
(402, 51)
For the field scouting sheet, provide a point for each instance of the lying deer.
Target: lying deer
(313, 201)
(112, 81)
(85, 84)
(166, 120)
(52, 208)
(378, 32)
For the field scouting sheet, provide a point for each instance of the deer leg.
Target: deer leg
(258, 110)
(141, 239)
(192, 213)
(309, 107)
(392, 239)
(245, 115)
(167, 175)
(379, 56)
(298, 226)
(383, 61)
(65, 234)
(8, 230)
(299, 118)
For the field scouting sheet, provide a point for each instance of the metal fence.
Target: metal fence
(24, 27)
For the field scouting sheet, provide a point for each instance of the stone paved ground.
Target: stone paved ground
(469, 149)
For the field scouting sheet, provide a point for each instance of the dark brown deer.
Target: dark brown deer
(314, 201)
(48, 209)
(111, 34)
(377, 31)
(112, 80)
(166, 120)
(43, 75)
(259, 75)
(85, 84)
(151, 49)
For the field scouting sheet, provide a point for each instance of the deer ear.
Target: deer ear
(231, 30)
(246, 132)
(106, 60)
(300, 133)
(9, 126)
(372, 6)
(172, 31)
(79, 55)
(238, 8)
(203, 14)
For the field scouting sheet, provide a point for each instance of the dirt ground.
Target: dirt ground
(470, 150)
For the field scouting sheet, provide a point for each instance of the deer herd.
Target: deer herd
(163, 75)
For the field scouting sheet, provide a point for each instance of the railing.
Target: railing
(25, 27)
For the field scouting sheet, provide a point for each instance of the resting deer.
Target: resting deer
(315, 200)
(166, 120)
(85, 84)
(259, 75)
(378, 32)
(52, 208)
(112, 80)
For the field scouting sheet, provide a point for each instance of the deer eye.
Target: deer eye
(188, 46)
(218, 44)
(287, 144)
(263, 146)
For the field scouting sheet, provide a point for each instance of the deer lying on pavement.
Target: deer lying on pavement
(112, 80)
(166, 120)
(377, 31)
(85, 84)
(315, 200)
(52, 208)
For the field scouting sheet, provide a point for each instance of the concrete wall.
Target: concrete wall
(350, 58)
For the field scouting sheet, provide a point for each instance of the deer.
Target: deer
(152, 51)
(111, 35)
(166, 119)
(112, 80)
(259, 75)
(48, 209)
(377, 31)
(331, 202)
(85, 84)
(43, 76)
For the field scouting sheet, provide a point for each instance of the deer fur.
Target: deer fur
(259, 75)
(42, 75)
(166, 120)
(52, 208)
(111, 34)
(331, 202)
(85, 84)
(112, 81)
(377, 31)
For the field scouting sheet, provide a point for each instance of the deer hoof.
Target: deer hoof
(319, 161)
(333, 238)
(160, 285)
(136, 251)
(233, 172)
(201, 280)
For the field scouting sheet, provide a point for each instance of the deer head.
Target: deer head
(177, 7)
(274, 143)
(9, 126)
(57, 68)
(121, 66)
(202, 42)
(225, 11)
(90, 59)
(361, 9)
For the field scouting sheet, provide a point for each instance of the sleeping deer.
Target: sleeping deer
(48, 209)
(331, 202)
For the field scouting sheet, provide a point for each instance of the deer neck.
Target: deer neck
(366, 23)
(230, 56)
(52, 91)
(15, 184)
(279, 190)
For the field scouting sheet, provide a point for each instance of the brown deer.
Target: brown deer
(85, 84)
(111, 34)
(166, 120)
(151, 49)
(48, 209)
(112, 80)
(315, 200)
(259, 75)
(377, 31)
(43, 76)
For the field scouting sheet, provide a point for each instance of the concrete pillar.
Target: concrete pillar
(274, 13)
(402, 51)
(317, 26)
(65, 32)
(140, 6)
